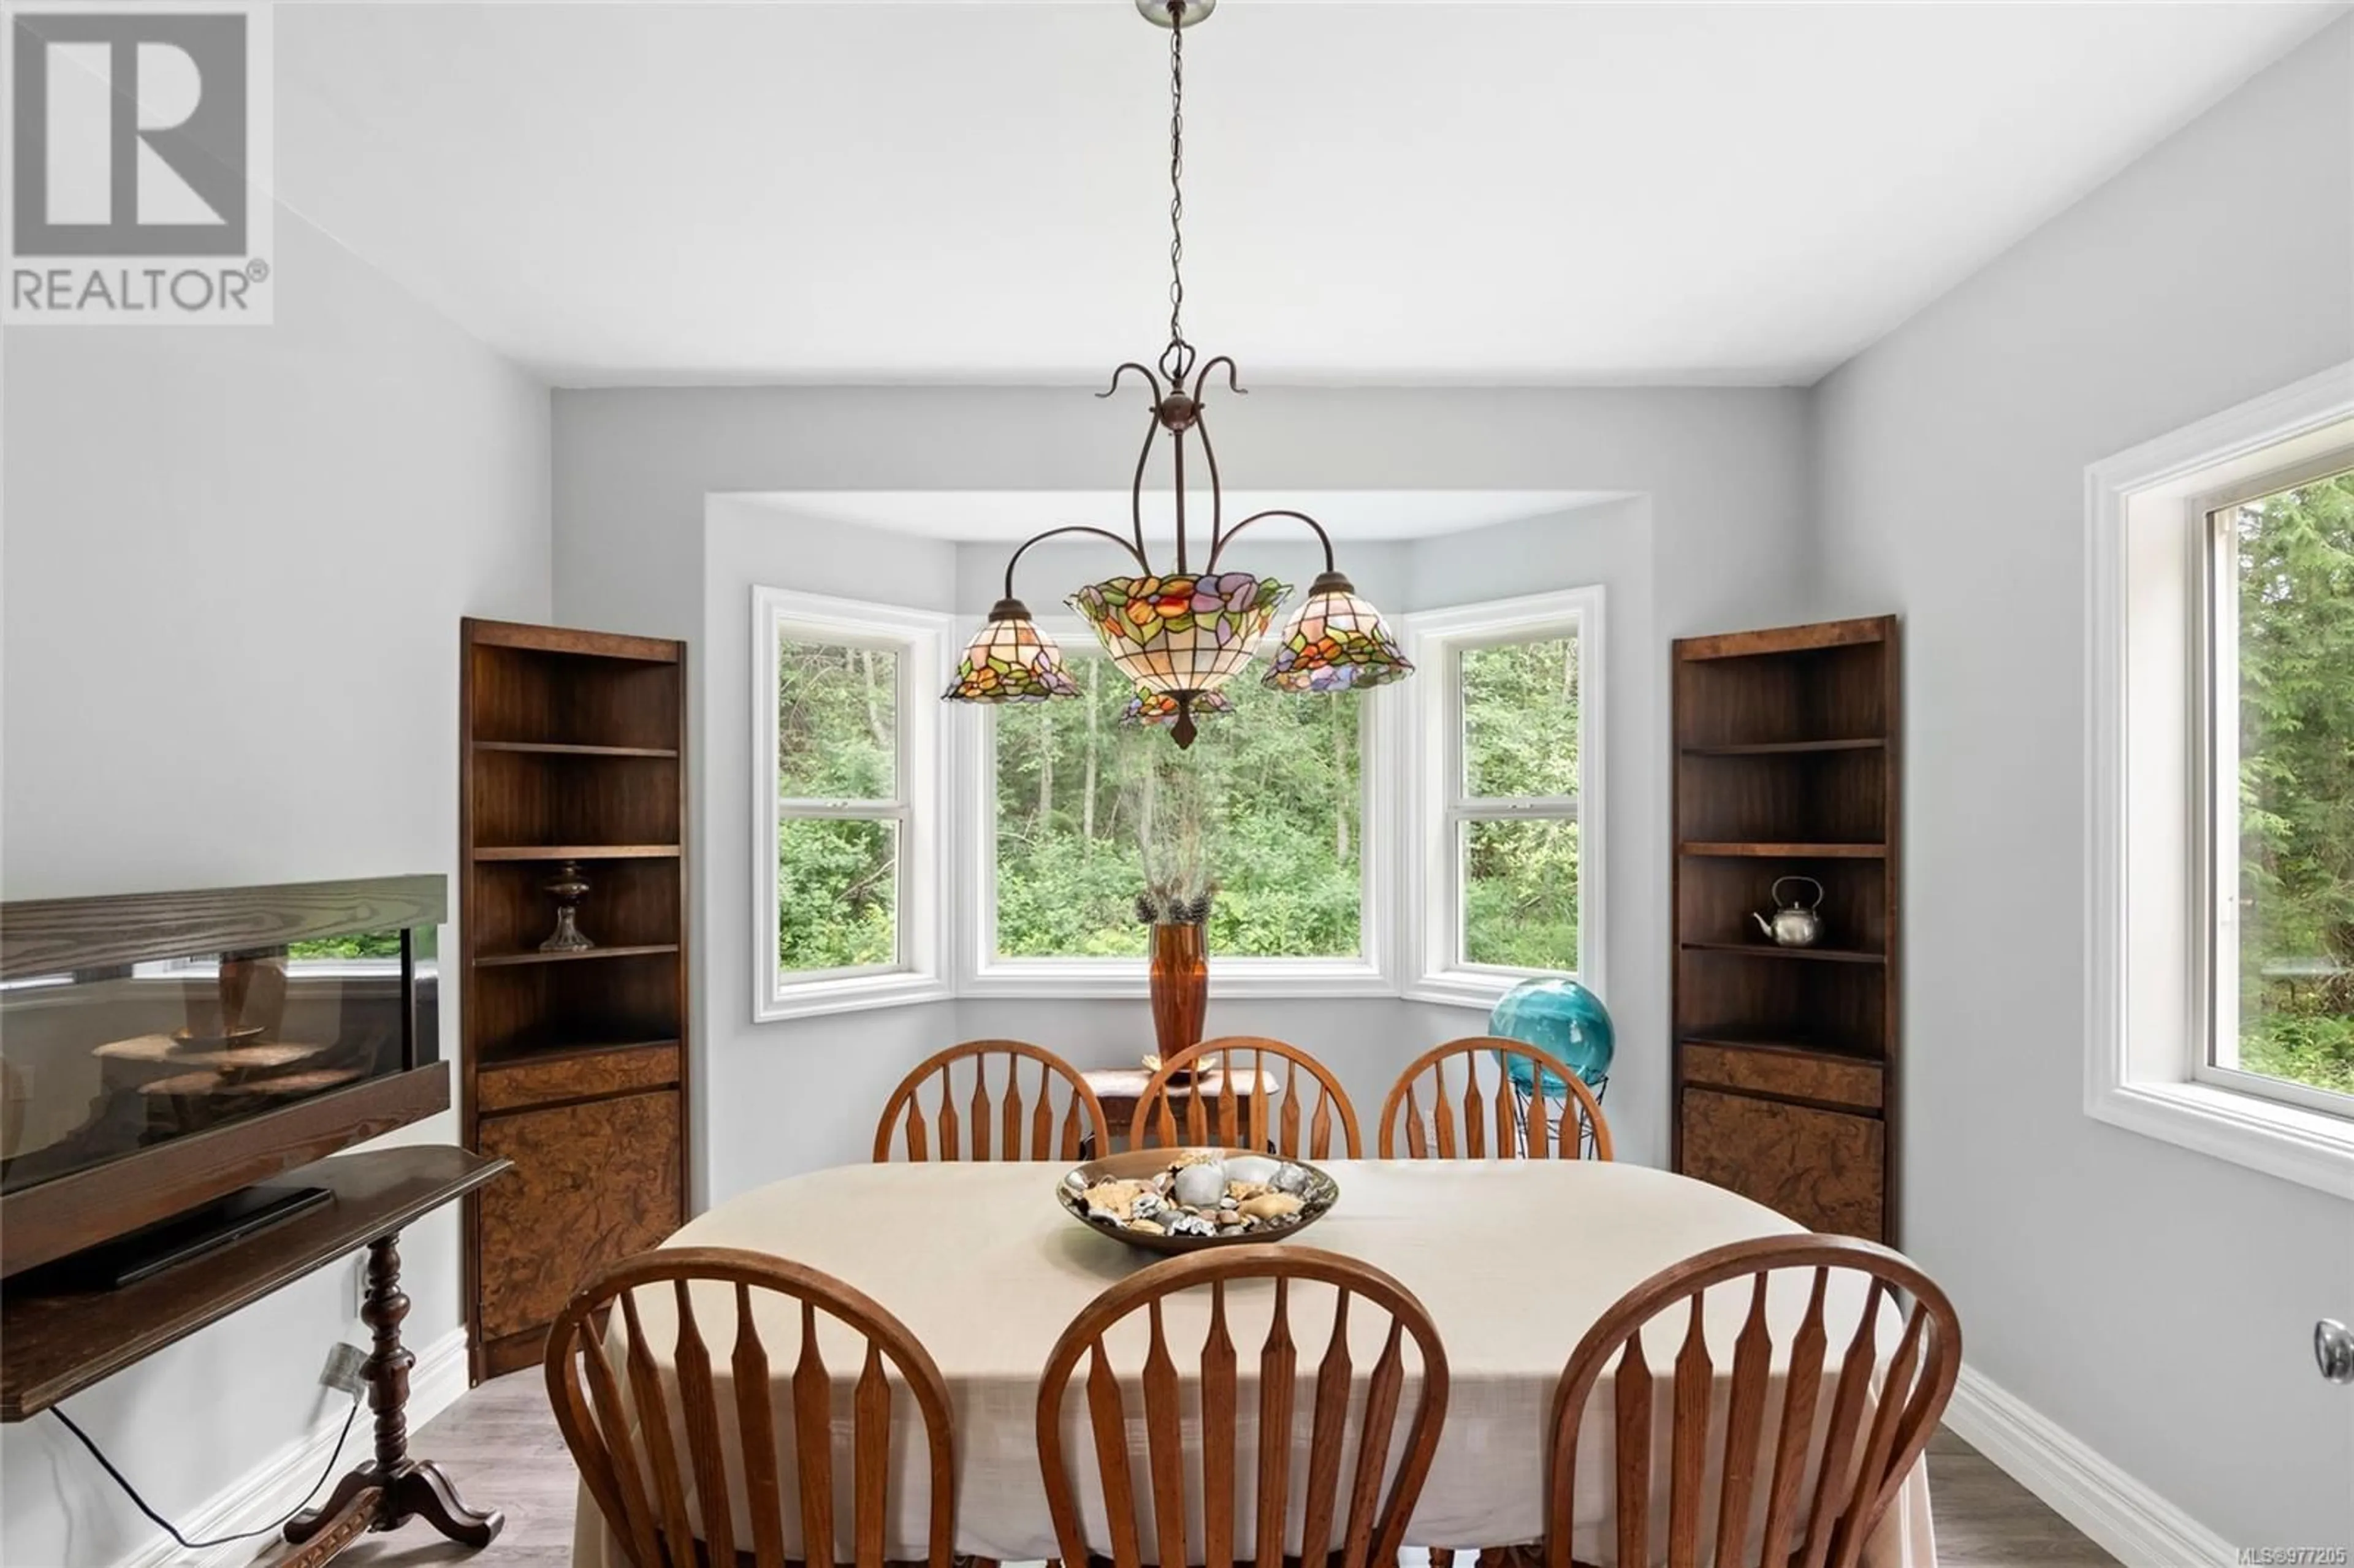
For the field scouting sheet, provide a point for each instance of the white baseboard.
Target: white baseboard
(2124, 1517)
(272, 1487)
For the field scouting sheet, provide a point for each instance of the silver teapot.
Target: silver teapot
(1794, 924)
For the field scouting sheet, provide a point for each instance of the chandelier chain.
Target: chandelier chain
(1179, 356)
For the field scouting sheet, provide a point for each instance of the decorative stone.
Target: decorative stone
(1147, 1226)
(1289, 1178)
(1258, 1169)
(1201, 1186)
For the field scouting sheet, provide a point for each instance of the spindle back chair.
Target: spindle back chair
(1520, 1123)
(1232, 1111)
(1861, 1433)
(1000, 1124)
(642, 1425)
(1152, 1527)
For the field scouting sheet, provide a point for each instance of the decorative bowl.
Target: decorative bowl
(1145, 1168)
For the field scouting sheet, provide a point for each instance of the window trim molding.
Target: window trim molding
(2139, 1077)
(1434, 971)
(927, 832)
(981, 973)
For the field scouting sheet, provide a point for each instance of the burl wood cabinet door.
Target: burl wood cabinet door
(591, 1183)
(1824, 1169)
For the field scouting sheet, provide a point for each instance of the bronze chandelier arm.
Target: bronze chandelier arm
(1209, 453)
(1151, 380)
(1318, 528)
(1023, 548)
(1233, 377)
(1136, 485)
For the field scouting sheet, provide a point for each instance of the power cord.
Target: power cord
(141, 1503)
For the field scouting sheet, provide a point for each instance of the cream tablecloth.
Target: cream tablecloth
(1514, 1261)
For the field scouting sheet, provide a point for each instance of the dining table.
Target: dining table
(1514, 1261)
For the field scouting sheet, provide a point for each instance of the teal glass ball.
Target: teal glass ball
(1562, 1019)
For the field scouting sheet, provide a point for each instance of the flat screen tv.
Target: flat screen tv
(159, 1053)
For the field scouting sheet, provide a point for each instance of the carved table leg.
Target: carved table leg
(406, 1489)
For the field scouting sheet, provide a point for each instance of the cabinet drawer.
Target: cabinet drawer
(575, 1075)
(1823, 1078)
(1824, 1169)
(591, 1183)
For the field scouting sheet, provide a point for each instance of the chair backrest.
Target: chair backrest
(1237, 1114)
(1000, 1124)
(659, 1420)
(1246, 1285)
(1760, 1507)
(1522, 1125)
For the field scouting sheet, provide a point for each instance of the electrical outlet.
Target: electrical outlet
(357, 1277)
(344, 1364)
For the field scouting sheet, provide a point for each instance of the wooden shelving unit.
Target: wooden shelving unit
(574, 1065)
(1786, 1058)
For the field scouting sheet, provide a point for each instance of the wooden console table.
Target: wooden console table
(58, 1343)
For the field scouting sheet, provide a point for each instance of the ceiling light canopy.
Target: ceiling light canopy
(1182, 635)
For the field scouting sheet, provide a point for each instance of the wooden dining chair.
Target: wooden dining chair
(662, 1418)
(1246, 1285)
(1000, 1123)
(1868, 1417)
(1521, 1127)
(1245, 1120)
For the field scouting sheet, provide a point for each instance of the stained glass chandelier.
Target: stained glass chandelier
(1182, 635)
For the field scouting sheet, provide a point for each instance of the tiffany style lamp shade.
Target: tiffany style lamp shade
(1335, 641)
(1562, 1018)
(1010, 660)
(1180, 638)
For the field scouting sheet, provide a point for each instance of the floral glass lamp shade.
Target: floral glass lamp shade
(1180, 638)
(1335, 641)
(1158, 708)
(1010, 660)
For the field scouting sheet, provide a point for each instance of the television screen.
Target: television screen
(98, 1063)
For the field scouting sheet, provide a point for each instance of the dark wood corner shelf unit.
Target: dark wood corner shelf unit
(1786, 1058)
(572, 748)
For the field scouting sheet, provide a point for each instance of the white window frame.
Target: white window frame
(920, 641)
(1435, 639)
(983, 971)
(2153, 866)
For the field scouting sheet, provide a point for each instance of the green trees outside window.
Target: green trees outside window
(2296, 726)
(1275, 790)
(1520, 706)
(839, 821)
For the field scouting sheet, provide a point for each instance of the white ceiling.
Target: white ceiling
(617, 193)
(1010, 515)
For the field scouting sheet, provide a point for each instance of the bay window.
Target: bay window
(848, 882)
(1273, 800)
(1507, 793)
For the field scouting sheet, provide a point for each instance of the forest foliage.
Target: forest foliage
(2296, 561)
(1269, 798)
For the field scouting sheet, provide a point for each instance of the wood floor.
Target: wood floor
(499, 1444)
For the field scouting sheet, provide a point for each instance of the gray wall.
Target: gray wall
(2154, 1301)
(1715, 541)
(236, 559)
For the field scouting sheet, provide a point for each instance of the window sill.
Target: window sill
(1465, 988)
(816, 998)
(1268, 979)
(2309, 1147)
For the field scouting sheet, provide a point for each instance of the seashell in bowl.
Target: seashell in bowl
(1167, 1199)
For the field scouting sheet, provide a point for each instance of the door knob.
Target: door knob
(2333, 1347)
